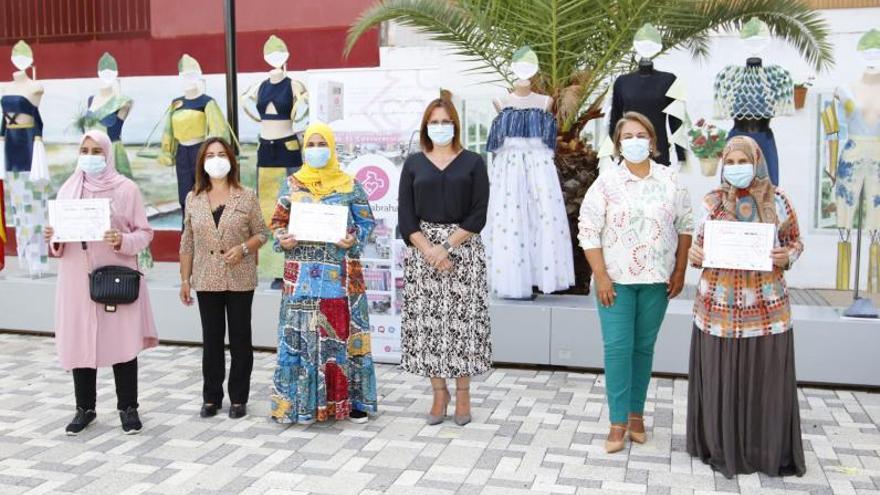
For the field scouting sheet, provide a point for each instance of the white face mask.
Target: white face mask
(276, 59)
(635, 150)
(91, 164)
(217, 167)
(647, 48)
(441, 134)
(21, 62)
(107, 77)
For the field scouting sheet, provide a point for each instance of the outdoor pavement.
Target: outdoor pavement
(533, 432)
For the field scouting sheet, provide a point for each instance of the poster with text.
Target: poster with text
(381, 112)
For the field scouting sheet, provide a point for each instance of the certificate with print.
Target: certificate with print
(79, 220)
(318, 222)
(738, 245)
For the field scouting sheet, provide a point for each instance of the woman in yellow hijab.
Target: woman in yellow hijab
(325, 367)
(320, 172)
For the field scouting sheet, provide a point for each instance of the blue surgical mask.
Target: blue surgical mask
(739, 175)
(441, 134)
(317, 157)
(91, 164)
(635, 150)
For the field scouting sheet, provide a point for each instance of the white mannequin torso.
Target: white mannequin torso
(866, 92)
(22, 85)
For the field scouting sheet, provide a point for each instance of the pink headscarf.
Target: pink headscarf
(105, 181)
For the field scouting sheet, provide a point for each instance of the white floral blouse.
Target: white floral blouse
(636, 221)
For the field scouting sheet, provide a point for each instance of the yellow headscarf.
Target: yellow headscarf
(327, 180)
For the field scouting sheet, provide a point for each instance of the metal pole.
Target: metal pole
(231, 71)
(859, 240)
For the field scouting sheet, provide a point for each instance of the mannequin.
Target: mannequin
(107, 109)
(190, 120)
(857, 166)
(528, 242)
(27, 174)
(754, 94)
(282, 111)
(645, 91)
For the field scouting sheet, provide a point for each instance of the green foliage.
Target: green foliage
(583, 44)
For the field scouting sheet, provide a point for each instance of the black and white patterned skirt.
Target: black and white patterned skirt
(445, 323)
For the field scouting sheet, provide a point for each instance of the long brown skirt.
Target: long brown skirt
(743, 413)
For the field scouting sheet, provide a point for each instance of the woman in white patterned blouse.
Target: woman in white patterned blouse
(635, 228)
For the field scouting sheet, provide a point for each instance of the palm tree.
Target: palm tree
(582, 45)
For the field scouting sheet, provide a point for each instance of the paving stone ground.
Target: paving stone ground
(534, 432)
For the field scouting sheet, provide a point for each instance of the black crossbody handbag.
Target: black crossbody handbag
(114, 285)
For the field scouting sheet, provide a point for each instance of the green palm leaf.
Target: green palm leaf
(583, 44)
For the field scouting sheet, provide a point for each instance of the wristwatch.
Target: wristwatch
(244, 249)
(447, 246)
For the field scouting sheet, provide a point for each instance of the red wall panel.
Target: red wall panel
(310, 49)
(173, 18)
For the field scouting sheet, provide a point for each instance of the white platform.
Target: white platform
(552, 330)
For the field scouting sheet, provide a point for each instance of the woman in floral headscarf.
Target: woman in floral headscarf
(742, 400)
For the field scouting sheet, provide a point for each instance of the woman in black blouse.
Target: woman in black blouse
(443, 195)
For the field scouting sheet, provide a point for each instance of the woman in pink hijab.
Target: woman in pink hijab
(86, 336)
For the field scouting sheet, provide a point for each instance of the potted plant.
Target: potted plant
(707, 142)
(800, 93)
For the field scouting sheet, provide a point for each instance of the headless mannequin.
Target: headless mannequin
(523, 97)
(271, 129)
(752, 125)
(865, 94)
(22, 85)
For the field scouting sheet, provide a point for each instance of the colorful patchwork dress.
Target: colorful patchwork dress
(325, 367)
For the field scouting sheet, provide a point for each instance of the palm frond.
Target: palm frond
(583, 44)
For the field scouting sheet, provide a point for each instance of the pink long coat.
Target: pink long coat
(86, 336)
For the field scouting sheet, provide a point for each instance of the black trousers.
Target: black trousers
(125, 375)
(216, 308)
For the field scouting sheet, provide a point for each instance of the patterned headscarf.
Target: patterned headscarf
(331, 178)
(756, 203)
(107, 180)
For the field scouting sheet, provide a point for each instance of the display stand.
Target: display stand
(861, 307)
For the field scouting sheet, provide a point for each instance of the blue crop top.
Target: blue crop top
(280, 95)
(15, 105)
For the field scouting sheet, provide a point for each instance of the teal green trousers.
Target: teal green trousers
(629, 331)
